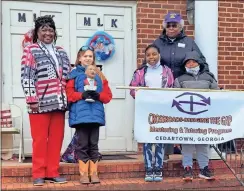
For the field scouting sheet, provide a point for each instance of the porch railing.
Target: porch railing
(232, 154)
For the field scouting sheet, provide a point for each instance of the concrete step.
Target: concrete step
(109, 169)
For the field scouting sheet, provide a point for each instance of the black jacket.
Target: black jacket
(173, 52)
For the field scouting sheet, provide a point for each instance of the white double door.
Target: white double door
(75, 24)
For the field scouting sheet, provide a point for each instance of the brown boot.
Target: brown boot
(83, 168)
(93, 172)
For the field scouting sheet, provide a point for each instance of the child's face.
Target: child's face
(191, 64)
(87, 58)
(152, 56)
(91, 71)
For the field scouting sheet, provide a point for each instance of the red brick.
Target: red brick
(224, 33)
(222, 9)
(230, 58)
(164, 6)
(146, 10)
(231, 19)
(154, 26)
(224, 24)
(234, 63)
(224, 4)
(228, 29)
(155, 6)
(221, 29)
(236, 53)
(142, 35)
(239, 25)
(223, 72)
(223, 53)
(237, 34)
(240, 58)
(227, 77)
(234, 10)
(230, 67)
(142, 15)
(224, 81)
(230, 87)
(241, 10)
(154, 16)
(236, 81)
(146, 20)
(158, 21)
(142, 4)
(161, 11)
(237, 5)
(240, 49)
(236, 15)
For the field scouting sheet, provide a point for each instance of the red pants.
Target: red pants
(47, 131)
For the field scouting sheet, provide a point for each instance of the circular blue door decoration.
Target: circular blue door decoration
(103, 45)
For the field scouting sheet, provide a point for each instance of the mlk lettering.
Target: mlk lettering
(21, 17)
(113, 23)
(87, 21)
(99, 24)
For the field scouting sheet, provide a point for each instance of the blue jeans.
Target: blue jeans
(148, 155)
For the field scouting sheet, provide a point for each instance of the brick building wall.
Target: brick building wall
(231, 47)
(150, 15)
(231, 44)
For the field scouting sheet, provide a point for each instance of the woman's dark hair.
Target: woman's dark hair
(152, 46)
(44, 21)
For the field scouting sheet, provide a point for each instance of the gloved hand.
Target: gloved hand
(86, 94)
(94, 95)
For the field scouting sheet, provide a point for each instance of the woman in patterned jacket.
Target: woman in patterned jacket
(44, 69)
(153, 74)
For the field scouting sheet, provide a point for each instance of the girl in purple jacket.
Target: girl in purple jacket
(155, 75)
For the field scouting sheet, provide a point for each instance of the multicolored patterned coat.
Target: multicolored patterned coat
(41, 81)
(139, 78)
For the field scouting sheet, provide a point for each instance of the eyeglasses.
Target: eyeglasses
(174, 25)
(84, 48)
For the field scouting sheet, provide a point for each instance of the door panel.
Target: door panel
(115, 136)
(75, 24)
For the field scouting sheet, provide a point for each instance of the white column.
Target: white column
(206, 37)
(206, 32)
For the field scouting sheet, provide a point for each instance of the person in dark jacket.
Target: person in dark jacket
(174, 44)
(195, 77)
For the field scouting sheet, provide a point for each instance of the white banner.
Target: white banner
(188, 117)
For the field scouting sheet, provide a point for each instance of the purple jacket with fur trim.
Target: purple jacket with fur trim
(139, 78)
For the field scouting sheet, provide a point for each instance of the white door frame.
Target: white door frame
(133, 7)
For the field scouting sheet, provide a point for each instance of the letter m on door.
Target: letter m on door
(21, 17)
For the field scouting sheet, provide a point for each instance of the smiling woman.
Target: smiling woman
(44, 69)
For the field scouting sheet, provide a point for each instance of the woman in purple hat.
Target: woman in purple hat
(174, 44)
